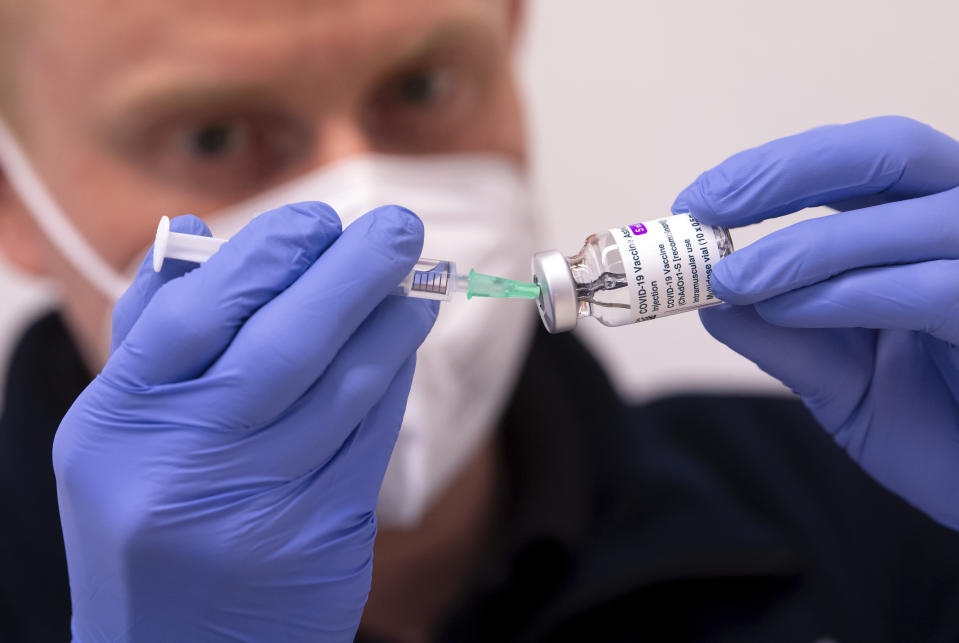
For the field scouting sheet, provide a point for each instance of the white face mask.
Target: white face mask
(476, 212)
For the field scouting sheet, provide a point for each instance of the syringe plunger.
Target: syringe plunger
(177, 245)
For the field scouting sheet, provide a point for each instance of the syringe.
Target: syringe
(429, 279)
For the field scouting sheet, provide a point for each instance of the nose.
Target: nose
(338, 138)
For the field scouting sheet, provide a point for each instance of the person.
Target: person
(220, 476)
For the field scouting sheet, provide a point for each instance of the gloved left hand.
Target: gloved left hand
(218, 479)
(857, 312)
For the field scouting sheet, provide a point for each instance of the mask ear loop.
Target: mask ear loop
(57, 227)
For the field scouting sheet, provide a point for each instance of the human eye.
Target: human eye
(422, 105)
(221, 152)
(422, 89)
(215, 141)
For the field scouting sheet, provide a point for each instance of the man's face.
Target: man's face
(137, 109)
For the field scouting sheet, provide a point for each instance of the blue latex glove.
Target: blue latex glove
(857, 312)
(218, 479)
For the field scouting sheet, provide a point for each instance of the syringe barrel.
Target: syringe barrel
(430, 279)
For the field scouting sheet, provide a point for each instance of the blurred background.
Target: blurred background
(629, 101)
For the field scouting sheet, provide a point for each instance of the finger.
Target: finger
(829, 368)
(893, 156)
(946, 357)
(148, 281)
(371, 445)
(920, 297)
(316, 426)
(346, 488)
(189, 323)
(914, 230)
(285, 346)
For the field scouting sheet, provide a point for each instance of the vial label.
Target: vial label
(668, 264)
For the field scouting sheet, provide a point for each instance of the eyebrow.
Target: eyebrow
(158, 91)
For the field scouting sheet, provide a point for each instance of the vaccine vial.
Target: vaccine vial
(631, 274)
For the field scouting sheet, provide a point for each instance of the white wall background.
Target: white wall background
(631, 99)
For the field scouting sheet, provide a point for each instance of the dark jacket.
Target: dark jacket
(693, 518)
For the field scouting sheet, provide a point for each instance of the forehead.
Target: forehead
(150, 21)
(97, 40)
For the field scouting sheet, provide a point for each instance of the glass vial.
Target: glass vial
(631, 274)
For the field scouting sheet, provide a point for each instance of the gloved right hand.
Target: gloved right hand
(218, 479)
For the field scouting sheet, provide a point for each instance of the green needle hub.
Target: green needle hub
(481, 285)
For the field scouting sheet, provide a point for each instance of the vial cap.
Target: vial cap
(557, 301)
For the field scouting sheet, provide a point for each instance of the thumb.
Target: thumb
(148, 281)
